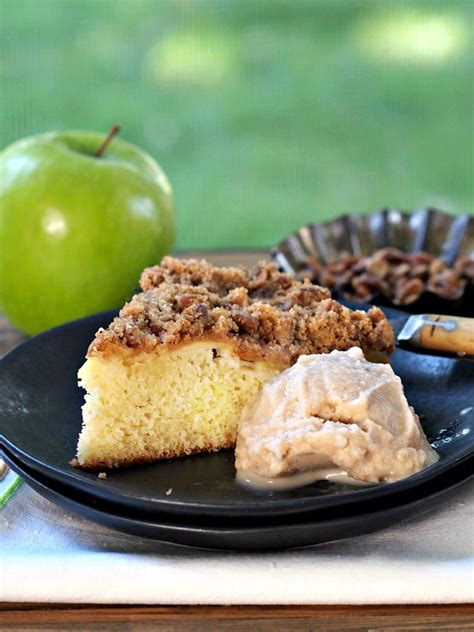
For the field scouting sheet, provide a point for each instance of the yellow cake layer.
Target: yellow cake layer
(144, 406)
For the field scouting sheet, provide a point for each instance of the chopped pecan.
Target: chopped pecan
(378, 267)
(246, 322)
(465, 266)
(204, 314)
(399, 276)
(408, 291)
(185, 301)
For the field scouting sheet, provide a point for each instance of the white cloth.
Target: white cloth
(50, 555)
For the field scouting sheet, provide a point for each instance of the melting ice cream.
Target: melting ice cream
(331, 416)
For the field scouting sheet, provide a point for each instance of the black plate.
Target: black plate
(40, 419)
(297, 533)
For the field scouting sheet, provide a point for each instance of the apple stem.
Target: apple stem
(105, 143)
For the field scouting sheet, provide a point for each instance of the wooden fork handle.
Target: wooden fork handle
(448, 334)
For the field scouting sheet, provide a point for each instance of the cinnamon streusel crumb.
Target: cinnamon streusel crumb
(263, 313)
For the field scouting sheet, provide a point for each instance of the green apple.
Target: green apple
(77, 228)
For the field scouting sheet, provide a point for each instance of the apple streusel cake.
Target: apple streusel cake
(172, 372)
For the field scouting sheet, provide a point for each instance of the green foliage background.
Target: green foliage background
(266, 114)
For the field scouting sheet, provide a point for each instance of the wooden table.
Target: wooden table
(267, 618)
(34, 616)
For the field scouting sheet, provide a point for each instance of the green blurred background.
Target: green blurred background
(265, 114)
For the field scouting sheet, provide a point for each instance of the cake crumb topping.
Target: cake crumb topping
(265, 314)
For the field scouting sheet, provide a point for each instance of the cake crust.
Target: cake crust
(263, 313)
(152, 456)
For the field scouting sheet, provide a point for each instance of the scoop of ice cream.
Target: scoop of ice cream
(333, 410)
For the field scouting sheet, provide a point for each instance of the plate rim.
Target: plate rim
(189, 529)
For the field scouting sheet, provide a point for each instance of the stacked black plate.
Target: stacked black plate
(195, 500)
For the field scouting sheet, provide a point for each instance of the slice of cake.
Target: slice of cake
(172, 372)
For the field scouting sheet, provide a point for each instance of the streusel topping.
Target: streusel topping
(263, 313)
